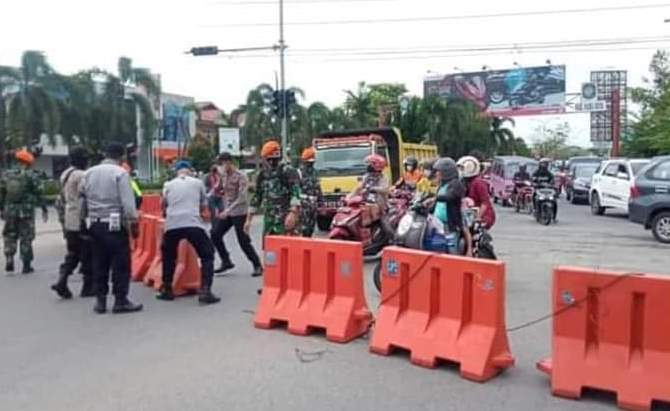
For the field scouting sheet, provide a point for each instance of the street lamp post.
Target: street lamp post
(282, 80)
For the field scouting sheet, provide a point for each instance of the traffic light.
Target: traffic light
(205, 51)
(278, 103)
(290, 100)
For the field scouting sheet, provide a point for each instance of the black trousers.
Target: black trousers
(197, 237)
(78, 251)
(221, 227)
(110, 251)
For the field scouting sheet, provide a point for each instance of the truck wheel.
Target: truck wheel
(660, 226)
(324, 223)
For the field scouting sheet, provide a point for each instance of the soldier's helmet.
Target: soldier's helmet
(25, 157)
(271, 149)
(308, 155)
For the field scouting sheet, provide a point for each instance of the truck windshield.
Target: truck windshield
(341, 161)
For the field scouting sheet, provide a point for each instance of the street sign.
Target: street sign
(229, 140)
(590, 106)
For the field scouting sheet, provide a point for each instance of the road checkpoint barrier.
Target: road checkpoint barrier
(145, 247)
(611, 331)
(443, 307)
(311, 283)
(151, 204)
(187, 277)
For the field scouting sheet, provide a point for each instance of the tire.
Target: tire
(486, 252)
(323, 223)
(377, 276)
(568, 196)
(660, 226)
(596, 208)
(546, 215)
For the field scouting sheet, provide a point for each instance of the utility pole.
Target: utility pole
(282, 84)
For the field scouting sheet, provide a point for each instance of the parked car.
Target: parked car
(578, 182)
(573, 161)
(502, 174)
(649, 203)
(610, 185)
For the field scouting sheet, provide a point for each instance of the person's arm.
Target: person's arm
(164, 201)
(83, 205)
(257, 198)
(127, 197)
(483, 195)
(467, 236)
(203, 199)
(38, 191)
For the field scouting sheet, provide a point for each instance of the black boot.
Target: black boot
(123, 305)
(9, 267)
(87, 290)
(61, 287)
(165, 293)
(206, 297)
(225, 266)
(100, 305)
(258, 271)
(27, 267)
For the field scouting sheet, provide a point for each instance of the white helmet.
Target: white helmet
(469, 167)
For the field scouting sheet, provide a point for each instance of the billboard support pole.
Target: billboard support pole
(616, 122)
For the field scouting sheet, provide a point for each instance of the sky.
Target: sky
(324, 59)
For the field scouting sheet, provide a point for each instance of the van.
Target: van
(502, 176)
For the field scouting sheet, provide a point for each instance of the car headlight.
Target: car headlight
(404, 225)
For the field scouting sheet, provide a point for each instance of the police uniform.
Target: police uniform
(20, 193)
(109, 205)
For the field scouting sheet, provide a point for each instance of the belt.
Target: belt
(100, 220)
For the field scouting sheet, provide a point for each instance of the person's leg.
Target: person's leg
(120, 264)
(169, 245)
(85, 266)
(197, 237)
(26, 237)
(100, 264)
(10, 234)
(219, 230)
(245, 243)
(72, 255)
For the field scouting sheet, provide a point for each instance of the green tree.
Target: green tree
(359, 107)
(551, 141)
(201, 153)
(502, 136)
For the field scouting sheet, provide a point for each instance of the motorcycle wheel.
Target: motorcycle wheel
(377, 276)
(486, 252)
(546, 215)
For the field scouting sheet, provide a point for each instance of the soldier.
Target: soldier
(20, 193)
(277, 190)
(109, 203)
(311, 188)
(78, 242)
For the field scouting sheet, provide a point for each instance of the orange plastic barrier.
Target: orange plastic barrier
(145, 247)
(187, 270)
(151, 204)
(443, 307)
(311, 283)
(611, 331)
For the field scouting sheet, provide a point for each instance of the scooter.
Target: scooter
(355, 221)
(523, 200)
(545, 205)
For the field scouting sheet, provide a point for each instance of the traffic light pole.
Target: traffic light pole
(282, 81)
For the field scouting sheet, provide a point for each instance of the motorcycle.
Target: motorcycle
(545, 204)
(523, 199)
(359, 221)
(419, 230)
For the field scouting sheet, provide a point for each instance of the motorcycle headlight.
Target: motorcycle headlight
(404, 225)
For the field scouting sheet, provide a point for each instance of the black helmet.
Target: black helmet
(522, 167)
(447, 166)
(544, 162)
(411, 162)
(79, 157)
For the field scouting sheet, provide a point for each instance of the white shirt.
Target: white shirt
(184, 196)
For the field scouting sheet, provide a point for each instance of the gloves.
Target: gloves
(135, 229)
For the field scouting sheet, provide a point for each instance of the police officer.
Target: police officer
(311, 188)
(20, 193)
(184, 201)
(109, 204)
(277, 190)
(77, 240)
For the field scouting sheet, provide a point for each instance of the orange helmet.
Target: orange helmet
(308, 154)
(271, 149)
(25, 157)
(377, 162)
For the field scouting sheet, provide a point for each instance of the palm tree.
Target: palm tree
(9, 80)
(359, 106)
(31, 108)
(503, 137)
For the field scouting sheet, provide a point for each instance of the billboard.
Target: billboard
(611, 86)
(517, 92)
(178, 123)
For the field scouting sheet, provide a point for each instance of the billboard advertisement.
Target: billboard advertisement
(229, 140)
(178, 117)
(517, 92)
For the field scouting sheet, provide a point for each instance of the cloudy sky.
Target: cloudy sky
(327, 56)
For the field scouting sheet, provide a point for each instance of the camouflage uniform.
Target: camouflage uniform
(277, 189)
(20, 193)
(309, 186)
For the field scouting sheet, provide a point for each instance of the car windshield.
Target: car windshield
(637, 166)
(341, 161)
(586, 170)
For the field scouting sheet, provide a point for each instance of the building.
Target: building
(210, 119)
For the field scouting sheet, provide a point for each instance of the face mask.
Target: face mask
(371, 169)
(273, 162)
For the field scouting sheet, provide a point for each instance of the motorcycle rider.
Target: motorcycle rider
(543, 178)
(412, 175)
(375, 188)
(448, 201)
(519, 179)
(477, 189)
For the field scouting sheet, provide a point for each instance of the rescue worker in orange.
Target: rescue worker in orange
(412, 175)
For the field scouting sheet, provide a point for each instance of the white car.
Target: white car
(611, 183)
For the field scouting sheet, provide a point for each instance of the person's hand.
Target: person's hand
(135, 229)
(247, 227)
(291, 221)
(223, 215)
(468, 252)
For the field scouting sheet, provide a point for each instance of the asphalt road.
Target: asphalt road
(58, 355)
